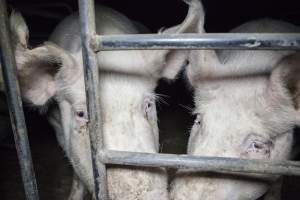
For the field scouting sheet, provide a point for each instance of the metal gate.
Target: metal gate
(93, 43)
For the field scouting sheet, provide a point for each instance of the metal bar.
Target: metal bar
(14, 102)
(91, 74)
(242, 41)
(204, 164)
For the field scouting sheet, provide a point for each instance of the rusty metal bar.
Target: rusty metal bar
(200, 163)
(237, 41)
(91, 74)
(14, 102)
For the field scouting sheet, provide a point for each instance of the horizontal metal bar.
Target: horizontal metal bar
(243, 41)
(205, 164)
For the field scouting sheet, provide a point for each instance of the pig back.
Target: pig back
(261, 61)
(108, 21)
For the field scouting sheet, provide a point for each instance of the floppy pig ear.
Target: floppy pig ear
(155, 63)
(285, 81)
(36, 73)
(19, 29)
(174, 60)
(37, 68)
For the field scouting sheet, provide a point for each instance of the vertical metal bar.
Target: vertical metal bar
(15, 107)
(88, 31)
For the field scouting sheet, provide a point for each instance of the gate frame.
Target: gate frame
(91, 44)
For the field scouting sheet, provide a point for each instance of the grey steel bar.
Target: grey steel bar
(205, 164)
(243, 41)
(14, 102)
(88, 30)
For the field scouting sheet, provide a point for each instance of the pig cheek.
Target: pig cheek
(82, 128)
(80, 152)
(150, 127)
(80, 134)
(195, 139)
(150, 118)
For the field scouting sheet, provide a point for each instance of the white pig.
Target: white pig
(247, 104)
(127, 83)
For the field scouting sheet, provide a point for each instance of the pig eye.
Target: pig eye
(256, 146)
(80, 114)
(149, 109)
(149, 105)
(198, 120)
(259, 147)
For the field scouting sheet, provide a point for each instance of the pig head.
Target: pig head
(127, 98)
(246, 106)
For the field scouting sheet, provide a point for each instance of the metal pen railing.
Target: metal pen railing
(92, 43)
(233, 41)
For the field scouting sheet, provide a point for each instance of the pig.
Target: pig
(246, 106)
(54, 72)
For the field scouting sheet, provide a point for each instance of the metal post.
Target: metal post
(14, 102)
(237, 41)
(91, 72)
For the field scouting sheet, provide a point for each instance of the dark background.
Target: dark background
(42, 16)
(52, 168)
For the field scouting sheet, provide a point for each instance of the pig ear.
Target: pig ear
(285, 81)
(202, 63)
(174, 60)
(37, 68)
(42, 69)
(19, 29)
(156, 63)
